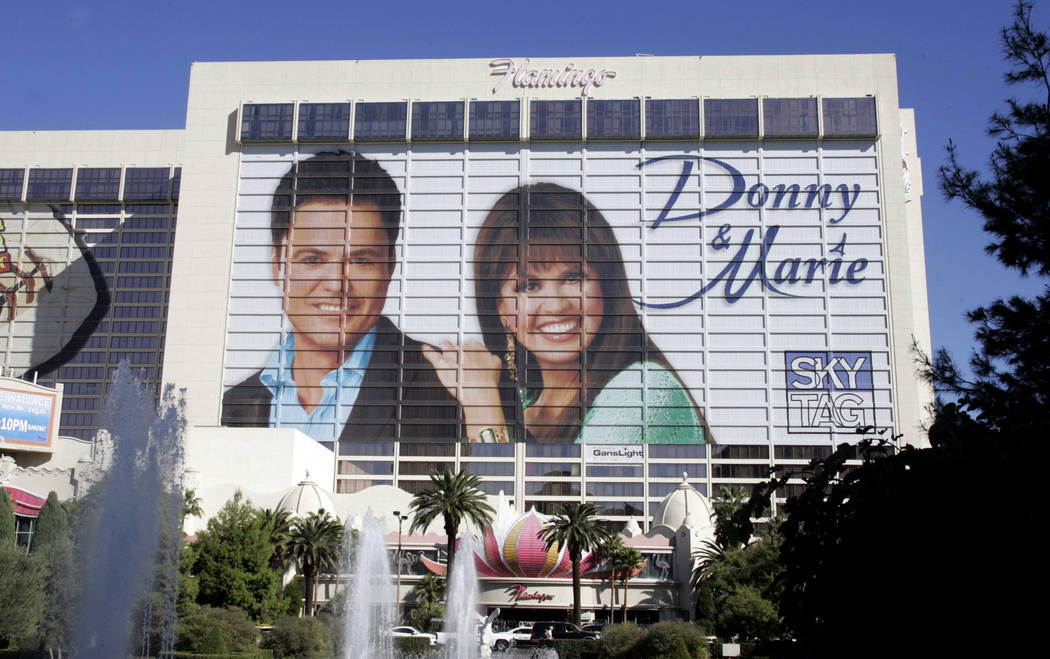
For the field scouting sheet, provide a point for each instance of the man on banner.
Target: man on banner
(343, 372)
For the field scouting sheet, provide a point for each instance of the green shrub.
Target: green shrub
(298, 638)
(412, 646)
(575, 648)
(618, 640)
(237, 630)
(692, 636)
(214, 643)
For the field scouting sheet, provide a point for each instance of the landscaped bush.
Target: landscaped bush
(575, 648)
(664, 639)
(692, 636)
(665, 643)
(237, 630)
(618, 640)
(298, 638)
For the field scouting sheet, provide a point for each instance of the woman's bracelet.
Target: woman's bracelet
(491, 436)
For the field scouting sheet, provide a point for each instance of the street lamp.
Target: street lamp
(400, 520)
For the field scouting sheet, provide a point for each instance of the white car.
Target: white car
(411, 632)
(501, 641)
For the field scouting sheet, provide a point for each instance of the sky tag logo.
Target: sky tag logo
(829, 391)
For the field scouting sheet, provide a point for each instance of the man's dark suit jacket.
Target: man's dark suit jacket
(400, 397)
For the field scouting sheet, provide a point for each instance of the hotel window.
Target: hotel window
(380, 121)
(11, 184)
(742, 452)
(556, 120)
(678, 451)
(437, 120)
(740, 471)
(672, 119)
(629, 508)
(176, 183)
(98, 183)
(614, 489)
(320, 122)
(495, 120)
(552, 450)
(266, 122)
(789, 117)
(613, 119)
(49, 185)
(850, 117)
(487, 450)
(552, 489)
(489, 468)
(665, 470)
(730, 117)
(801, 452)
(145, 183)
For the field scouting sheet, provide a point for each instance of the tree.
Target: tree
(1011, 371)
(279, 522)
(21, 593)
(302, 638)
(627, 560)
(314, 544)
(578, 529)
(7, 518)
(191, 504)
(454, 498)
(234, 626)
(53, 544)
(737, 582)
(429, 593)
(608, 552)
(233, 562)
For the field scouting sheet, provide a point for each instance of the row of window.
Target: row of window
(92, 184)
(558, 120)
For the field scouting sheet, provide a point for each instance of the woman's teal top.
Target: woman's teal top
(643, 404)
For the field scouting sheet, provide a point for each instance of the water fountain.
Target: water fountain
(134, 500)
(461, 608)
(370, 604)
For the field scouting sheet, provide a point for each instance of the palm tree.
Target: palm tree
(279, 523)
(627, 560)
(453, 497)
(191, 504)
(314, 543)
(612, 547)
(578, 529)
(428, 593)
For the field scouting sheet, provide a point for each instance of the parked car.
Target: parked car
(558, 630)
(521, 633)
(405, 631)
(596, 628)
(502, 641)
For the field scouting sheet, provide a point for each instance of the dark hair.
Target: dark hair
(345, 176)
(547, 222)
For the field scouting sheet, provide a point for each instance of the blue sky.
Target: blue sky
(126, 65)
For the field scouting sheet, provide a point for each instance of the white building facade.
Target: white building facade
(765, 222)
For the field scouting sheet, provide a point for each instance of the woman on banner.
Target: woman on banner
(565, 356)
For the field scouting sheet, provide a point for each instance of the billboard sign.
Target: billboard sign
(27, 414)
(611, 294)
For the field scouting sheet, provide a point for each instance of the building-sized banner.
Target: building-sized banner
(602, 293)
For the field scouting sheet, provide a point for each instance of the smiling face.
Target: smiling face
(555, 311)
(334, 267)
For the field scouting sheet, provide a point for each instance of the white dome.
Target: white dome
(682, 504)
(305, 498)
